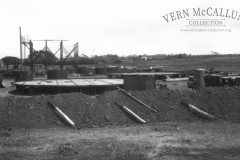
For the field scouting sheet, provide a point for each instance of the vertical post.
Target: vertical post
(24, 49)
(137, 60)
(61, 56)
(200, 78)
(46, 57)
(31, 58)
(76, 55)
(21, 48)
(27, 39)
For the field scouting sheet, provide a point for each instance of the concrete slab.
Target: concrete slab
(72, 82)
(81, 82)
(47, 83)
(65, 82)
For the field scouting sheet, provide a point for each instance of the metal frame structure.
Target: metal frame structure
(61, 52)
(45, 52)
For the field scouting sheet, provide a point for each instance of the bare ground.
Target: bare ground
(172, 140)
(179, 141)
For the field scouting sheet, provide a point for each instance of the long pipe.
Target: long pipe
(122, 90)
(64, 116)
(198, 110)
(132, 113)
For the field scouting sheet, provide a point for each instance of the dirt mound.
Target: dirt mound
(66, 150)
(99, 111)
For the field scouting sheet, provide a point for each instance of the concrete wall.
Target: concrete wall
(139, 83)
(211, 81)
(113, 70)
(100, 70)
(57, 74)
(237, 82)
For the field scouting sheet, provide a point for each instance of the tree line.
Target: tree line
(43, 57)
(46, 57)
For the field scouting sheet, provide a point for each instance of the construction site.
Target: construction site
(113, 112)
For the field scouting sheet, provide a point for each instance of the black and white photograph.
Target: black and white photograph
(119, 80)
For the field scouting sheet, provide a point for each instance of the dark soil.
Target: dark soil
(99, 111)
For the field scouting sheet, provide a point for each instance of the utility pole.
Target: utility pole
(27, 39)
(21, 48)
(24, 49)
(46, 57)
(31, 58)
(61, 56)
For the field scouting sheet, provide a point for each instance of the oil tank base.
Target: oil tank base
(87, 86)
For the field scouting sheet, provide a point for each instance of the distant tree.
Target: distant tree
(117, 61)
(26, 62)
(8, 60)
(112, 56)
(41, 56)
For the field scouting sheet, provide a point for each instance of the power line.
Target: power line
(9, 43)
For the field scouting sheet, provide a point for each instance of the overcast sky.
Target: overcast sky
(122, 27)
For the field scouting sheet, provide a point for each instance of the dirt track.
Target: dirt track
(166, 141)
